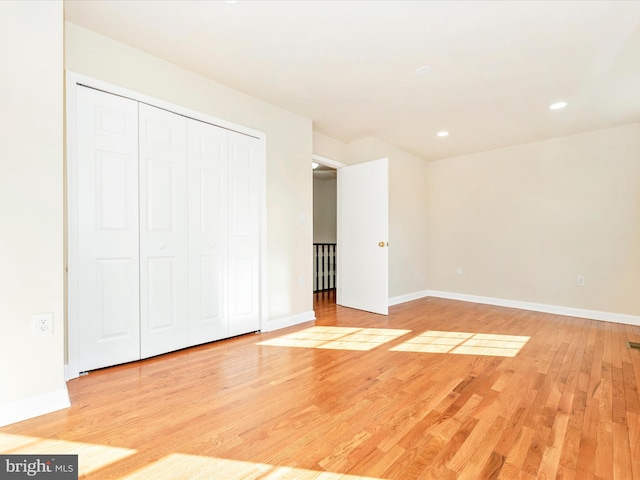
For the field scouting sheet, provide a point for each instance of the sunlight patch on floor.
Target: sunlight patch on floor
(179, 466)
(464, 343)
(91, 457)
(337, 338)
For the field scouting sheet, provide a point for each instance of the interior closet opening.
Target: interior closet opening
(165, 230)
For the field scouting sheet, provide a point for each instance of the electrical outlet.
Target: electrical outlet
(43, 324)
(459, 271)
(302, 280)
(581, 280)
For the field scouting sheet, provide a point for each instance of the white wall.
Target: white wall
(524, 221)
(324, 210)
(328, 147)
(31, 207)
(289, 151)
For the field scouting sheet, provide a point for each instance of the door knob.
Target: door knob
(381, 244)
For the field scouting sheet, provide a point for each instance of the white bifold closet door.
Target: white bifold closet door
(224, 222)
(164, 275)
(168, 231)
(208, 244)
(244, 224)
(107, 205)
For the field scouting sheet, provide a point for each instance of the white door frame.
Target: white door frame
(337, 165)
(327, 162)
(73, 80)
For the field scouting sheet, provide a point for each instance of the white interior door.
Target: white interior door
(164, 322)
(244, 175)
(107, 205)
(362, 236)
(208, 277)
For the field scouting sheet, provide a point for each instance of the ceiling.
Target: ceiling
(350, 66)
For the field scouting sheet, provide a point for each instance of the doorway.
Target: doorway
(324, 230)
(361, 232)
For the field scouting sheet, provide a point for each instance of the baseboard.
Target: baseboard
(541, 307)
(33, 407)
(289, 321)
(407, 298)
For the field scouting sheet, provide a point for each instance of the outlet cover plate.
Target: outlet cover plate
(43, 324)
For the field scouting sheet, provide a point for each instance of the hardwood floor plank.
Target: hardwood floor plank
(517, 455)
(621, 452)
(379, 462)
(448, 450)
(484, 463)
(564, 404)
(604, 451)
(633, 425)
(566, 474)
(551, 456)
(587, 453)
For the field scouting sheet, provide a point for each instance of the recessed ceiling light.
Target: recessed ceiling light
(443, 134)
(423, 70)
(558, 105)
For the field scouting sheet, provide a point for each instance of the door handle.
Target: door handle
(382, 244)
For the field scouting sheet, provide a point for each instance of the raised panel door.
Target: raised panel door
(245, 170)
(363, 230)
(163, 231)
(208, 246)
(107, 206)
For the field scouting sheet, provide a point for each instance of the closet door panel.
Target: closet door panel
(107, 206)
(160, 293)
(163, 232)
(208, 277)
(245, 172)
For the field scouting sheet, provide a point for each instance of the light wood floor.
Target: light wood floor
(461, 393)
